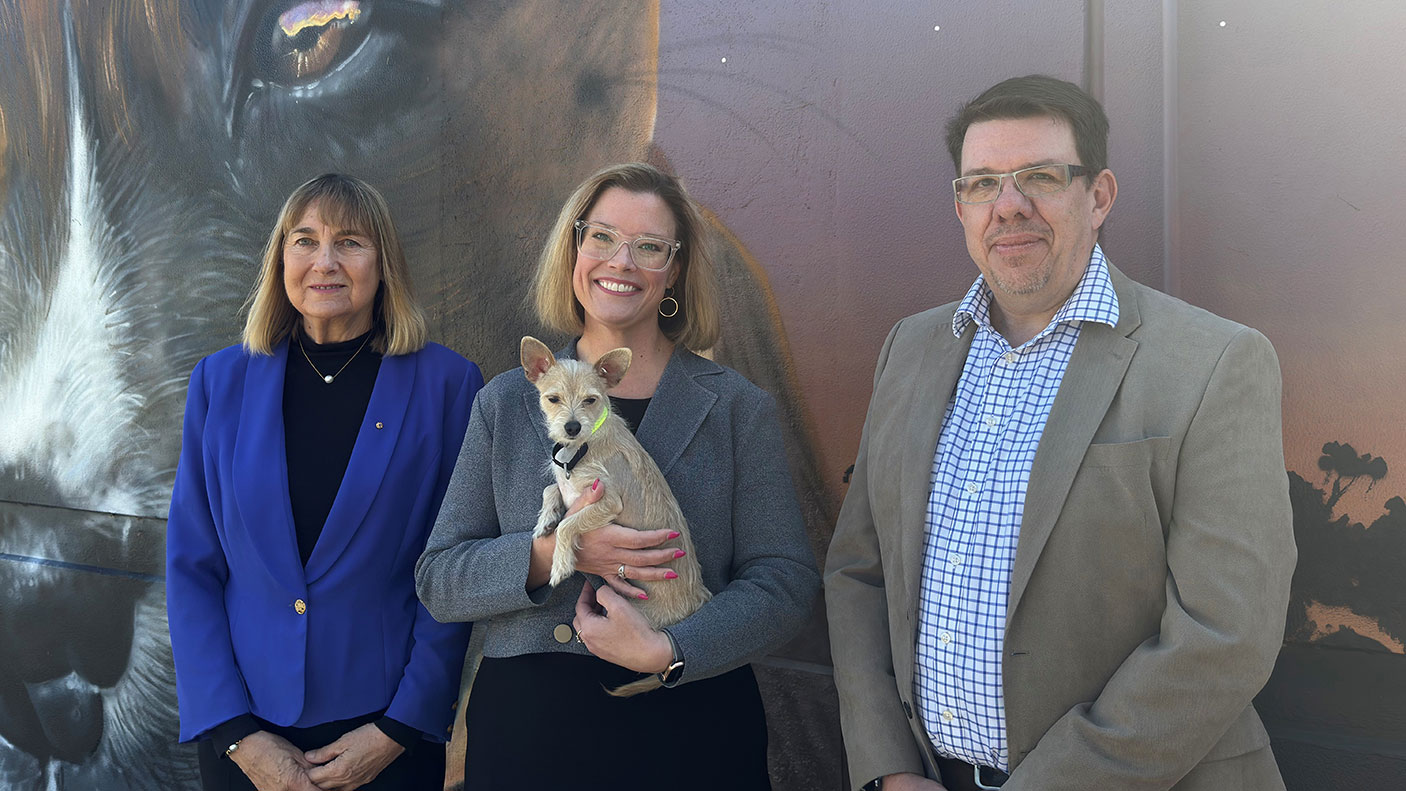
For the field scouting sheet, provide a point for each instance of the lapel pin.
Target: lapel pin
(379, 424)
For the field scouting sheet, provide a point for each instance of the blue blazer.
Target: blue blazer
(252, 629)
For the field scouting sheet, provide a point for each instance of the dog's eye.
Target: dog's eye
(589, 400)
(318, 57)
(300, 42)
(551, 399)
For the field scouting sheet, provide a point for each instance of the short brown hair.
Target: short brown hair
(1035, 96)
(697, 323)
(398, 323)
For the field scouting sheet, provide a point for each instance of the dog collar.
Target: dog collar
(568, 465)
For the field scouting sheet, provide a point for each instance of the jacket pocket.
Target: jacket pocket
(1138, 453)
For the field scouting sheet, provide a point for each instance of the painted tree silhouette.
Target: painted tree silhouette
(1342, 467)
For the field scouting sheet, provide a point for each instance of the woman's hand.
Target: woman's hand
(612, 629)
(272, 763)
(602, 551)
(353, 760)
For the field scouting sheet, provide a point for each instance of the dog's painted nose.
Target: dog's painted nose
(572, 428)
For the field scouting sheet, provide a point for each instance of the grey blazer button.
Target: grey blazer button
(563, 633)
(908, 710)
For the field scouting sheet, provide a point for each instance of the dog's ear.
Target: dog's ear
(537, 359)
(612, 366)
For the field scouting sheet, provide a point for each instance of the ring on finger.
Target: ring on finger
(620, 572)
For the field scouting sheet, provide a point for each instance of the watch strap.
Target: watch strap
(673, 674)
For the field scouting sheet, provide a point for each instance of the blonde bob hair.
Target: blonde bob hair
(398, 323)
(696, 324)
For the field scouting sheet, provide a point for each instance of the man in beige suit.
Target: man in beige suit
(1064, 558)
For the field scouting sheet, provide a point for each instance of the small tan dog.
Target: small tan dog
(592, 442)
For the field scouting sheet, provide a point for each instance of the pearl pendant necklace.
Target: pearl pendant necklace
(329, 377)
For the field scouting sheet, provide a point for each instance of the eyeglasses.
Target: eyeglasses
(1032, 182)
(602, 242)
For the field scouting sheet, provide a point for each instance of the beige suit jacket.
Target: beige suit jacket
(1152, 572)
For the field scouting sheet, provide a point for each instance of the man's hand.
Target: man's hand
(272, 763)
(905, 781)
(353, 760)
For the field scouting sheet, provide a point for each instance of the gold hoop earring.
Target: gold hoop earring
(671, 302)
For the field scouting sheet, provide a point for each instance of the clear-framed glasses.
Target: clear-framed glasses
(602, 242)
(1032, 182)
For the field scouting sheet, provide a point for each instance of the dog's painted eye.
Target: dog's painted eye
(589, 400)
(551, 399)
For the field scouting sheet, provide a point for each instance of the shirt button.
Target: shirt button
(955, 560)
(948, 716)
(993, 422)
(945, 638)
(299, 606)
(973, 488)
(1009, 357)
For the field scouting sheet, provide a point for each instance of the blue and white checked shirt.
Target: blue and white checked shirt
(979, 476)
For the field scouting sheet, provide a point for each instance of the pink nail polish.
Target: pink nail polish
(678, 553)
(644, 596)
(669, 575)
(595, 485)
(674, 534)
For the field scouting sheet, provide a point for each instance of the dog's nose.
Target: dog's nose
(572, 428)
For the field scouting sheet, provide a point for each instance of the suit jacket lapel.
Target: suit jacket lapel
(260, 473)
(370, 457)
(941, 367)
(678, 408)
(1095, 372)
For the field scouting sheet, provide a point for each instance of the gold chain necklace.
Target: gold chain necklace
(329, 377)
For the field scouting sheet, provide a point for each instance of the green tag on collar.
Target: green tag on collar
(605, 412)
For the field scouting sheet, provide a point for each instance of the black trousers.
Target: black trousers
(420, 769)
(544, 721)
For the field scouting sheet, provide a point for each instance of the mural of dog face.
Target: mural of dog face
(145, 148)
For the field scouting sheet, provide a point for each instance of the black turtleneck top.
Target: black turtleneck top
(320, 424)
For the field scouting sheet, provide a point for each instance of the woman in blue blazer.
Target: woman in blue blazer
(626, 265)
(313, 461)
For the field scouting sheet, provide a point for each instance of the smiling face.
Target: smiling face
(1032, 251)
(618, 297)
(331, 275)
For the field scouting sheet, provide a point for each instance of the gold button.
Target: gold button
(299, 606)
(563, 633)
(379, 424)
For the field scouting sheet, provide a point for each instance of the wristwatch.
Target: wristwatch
(672, 674)
(877, 784)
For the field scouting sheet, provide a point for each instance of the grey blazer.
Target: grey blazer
(1151, 576)
(717, 440)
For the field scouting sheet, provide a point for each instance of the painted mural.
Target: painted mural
(145, 147)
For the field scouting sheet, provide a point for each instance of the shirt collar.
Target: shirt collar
(1093, 300)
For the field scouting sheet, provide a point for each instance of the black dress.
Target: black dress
(544, 721)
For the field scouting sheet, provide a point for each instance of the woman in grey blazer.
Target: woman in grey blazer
(626, 265)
